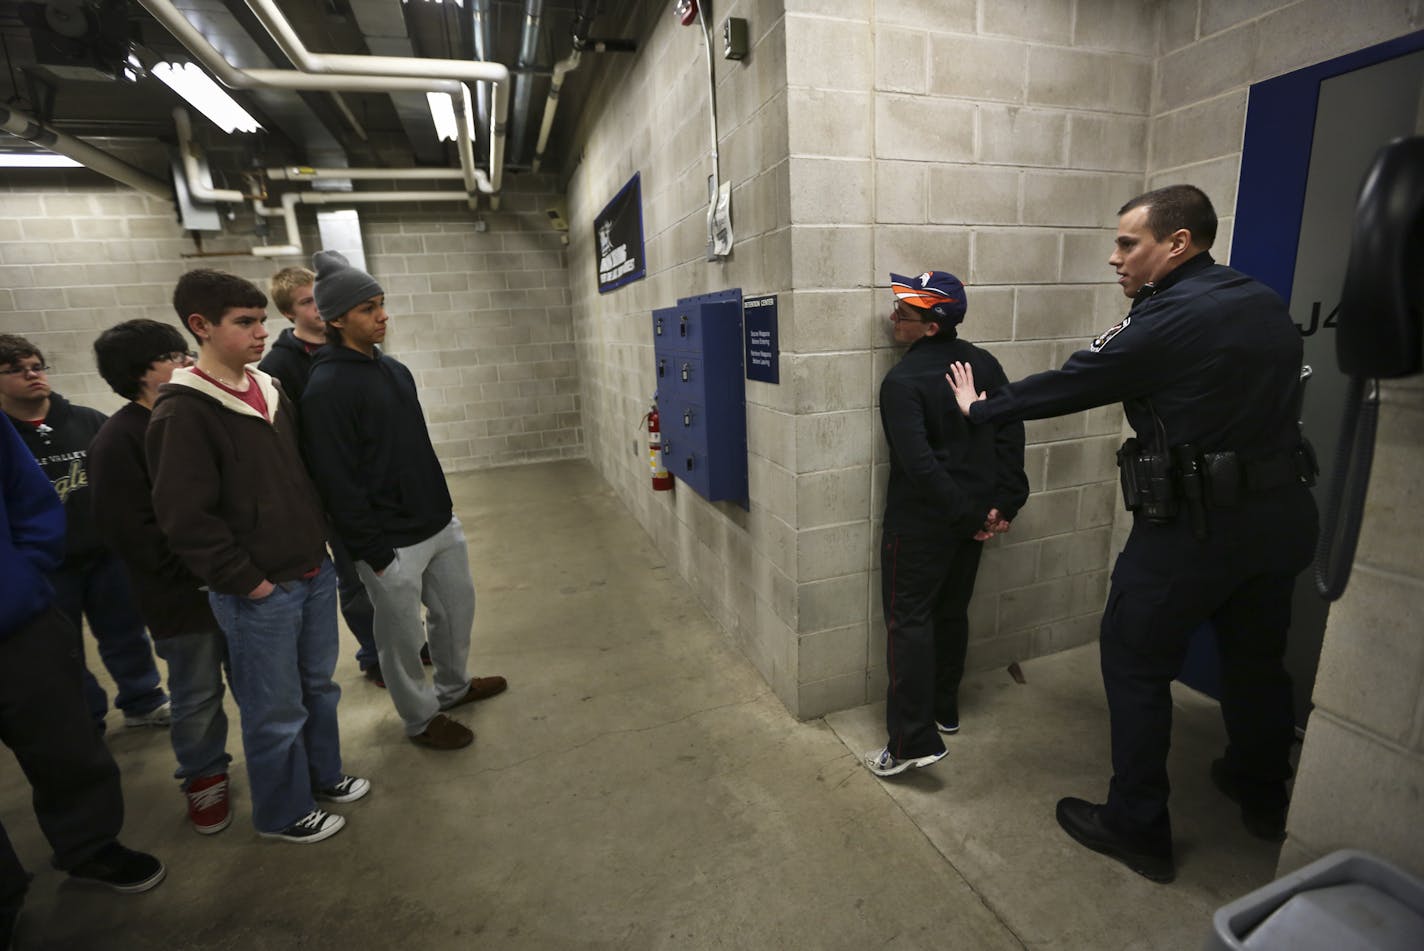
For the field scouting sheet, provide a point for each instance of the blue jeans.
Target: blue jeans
(355, 605)
(98, 589)
(195, 681)
(282, 652)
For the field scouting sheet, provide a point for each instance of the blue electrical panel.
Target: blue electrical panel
(697, 352)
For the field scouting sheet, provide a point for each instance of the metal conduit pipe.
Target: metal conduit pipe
(302, 173)
(188, 151)
(582, 24)
(401, 66)
(32, 130)
(235, 78)
(288, 210)
(523, 82)
(480, 33)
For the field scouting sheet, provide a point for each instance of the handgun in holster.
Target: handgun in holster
(1148, 482)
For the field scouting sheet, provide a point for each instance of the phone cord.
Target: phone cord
(1345, 504)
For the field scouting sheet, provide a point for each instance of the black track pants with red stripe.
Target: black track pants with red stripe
(925, 585)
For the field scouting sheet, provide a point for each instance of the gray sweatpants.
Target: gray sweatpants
(435, 572)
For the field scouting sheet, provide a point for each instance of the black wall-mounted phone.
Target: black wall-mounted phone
(1382, 304)
(1380, 335)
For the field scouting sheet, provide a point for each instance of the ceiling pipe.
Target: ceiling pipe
(480, 34)
(463, 71)
(32, 130)
(235, 78)
(288, 209)
(304, 173)
(523, 81)
(582, 24)
(199, 186)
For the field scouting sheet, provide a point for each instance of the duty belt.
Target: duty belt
(1156, 485)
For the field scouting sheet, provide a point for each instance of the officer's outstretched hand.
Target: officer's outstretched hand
(961, 381)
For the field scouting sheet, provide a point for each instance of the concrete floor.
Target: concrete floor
(640, 787)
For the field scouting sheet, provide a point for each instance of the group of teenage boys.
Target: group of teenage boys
(203, 510)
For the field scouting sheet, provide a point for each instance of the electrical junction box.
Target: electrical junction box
(697, 352)
(734, 38)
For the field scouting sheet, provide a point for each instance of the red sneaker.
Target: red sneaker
(208, 805)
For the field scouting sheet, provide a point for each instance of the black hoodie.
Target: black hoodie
(61, 446)
(369, 452)
(290, 361)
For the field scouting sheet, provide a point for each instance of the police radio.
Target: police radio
(1378, 336)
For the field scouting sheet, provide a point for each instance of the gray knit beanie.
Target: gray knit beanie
(339, 286)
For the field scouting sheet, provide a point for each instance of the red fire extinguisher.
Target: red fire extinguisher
(662, 479)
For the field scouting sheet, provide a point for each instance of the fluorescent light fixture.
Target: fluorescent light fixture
(190, 82)
(458, 3)
(442, 110)
(36, 160)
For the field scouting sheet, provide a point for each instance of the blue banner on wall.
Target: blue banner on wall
(618, 229)
(763, 351)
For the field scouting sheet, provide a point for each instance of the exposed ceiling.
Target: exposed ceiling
(63, 66)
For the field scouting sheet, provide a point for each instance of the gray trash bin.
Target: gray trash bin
(1347, 900)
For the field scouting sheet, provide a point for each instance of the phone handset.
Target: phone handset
(1378, 336)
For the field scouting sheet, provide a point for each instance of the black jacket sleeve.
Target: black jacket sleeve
(1131, 364)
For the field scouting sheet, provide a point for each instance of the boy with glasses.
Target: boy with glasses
(235, 503)
(90, 583)
(135, 358)
(952, 487)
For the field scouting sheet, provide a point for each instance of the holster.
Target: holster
(1148, 482)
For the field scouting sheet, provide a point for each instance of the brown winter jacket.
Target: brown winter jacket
(230, 490)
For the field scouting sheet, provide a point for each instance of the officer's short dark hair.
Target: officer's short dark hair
(126, 351)
(211, 294)
(1174, 208)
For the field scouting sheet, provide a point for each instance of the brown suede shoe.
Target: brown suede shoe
(481, 688)
(443, 733)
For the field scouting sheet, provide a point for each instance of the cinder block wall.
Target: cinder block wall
(993, 143)
(1002, 138)
(482, 319)
(650, 115)
(1361, 774)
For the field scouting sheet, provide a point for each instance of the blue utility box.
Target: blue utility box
(697, 352)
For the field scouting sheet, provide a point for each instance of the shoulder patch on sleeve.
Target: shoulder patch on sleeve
(1102, 339)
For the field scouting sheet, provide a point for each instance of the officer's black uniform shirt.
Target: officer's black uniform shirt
(1213, 351)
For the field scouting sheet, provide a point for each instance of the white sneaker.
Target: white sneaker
(160, 716)
(312, 827)
(948, 729)
(881, 763)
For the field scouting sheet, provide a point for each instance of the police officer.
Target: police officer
(1207, 365)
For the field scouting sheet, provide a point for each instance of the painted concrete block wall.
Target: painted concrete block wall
(482, 319)
(652, 118)
(995, 141)
(1361, 771)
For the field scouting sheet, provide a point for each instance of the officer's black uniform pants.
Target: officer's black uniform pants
(45, 723)
(1165, 585)
(925, 585)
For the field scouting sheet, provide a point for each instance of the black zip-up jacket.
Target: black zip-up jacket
(61, 446)
(1212, 351)
(229, 489)
(169, 595)
(290, 362)
(366, 443)
(945, 473)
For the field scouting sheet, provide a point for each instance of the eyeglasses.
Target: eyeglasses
(177, 356)
(898, 315)
(36, 369)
